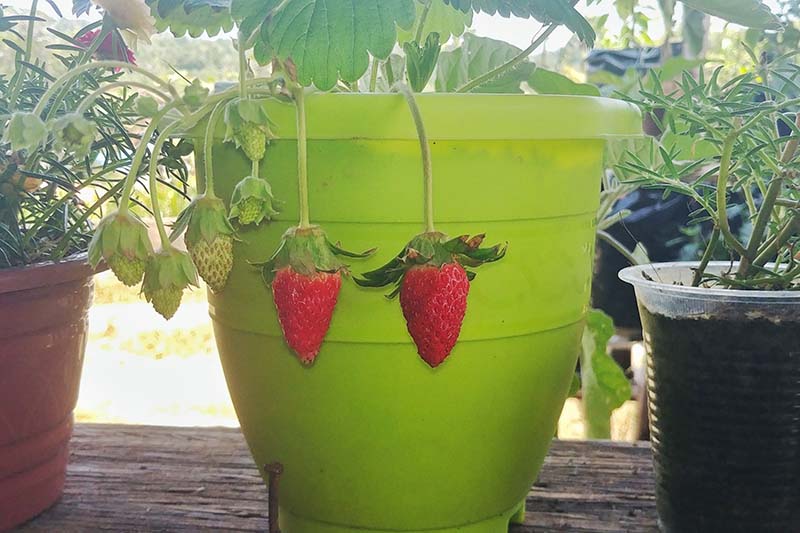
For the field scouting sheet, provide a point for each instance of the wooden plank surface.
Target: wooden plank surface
(141, 478)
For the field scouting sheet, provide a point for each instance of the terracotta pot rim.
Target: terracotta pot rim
(46, 274)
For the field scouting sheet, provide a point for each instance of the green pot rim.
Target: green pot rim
(332, 116)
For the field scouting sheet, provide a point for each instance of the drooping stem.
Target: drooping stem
(785, 202)
(106, 28)
(138, 156)
(159, 144)
(208, 149)
(767, 207)
(707, 255)
(19, 80)
(760, 225)
(254, 168)
(511, 63)
(89, 100)
(423, 18)
(373, 76)
(72, 74)
(722, 194)
(302, 156)
(242, 67)
(779, 240)
(427, 165)
(618, 246)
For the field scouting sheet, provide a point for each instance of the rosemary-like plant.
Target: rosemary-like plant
(728, 136)
(51, 194)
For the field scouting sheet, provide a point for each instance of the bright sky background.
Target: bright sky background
(516, 31)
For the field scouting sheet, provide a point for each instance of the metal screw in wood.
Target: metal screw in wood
(274, 471)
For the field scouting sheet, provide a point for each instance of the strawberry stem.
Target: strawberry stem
(208, 147)
(138, 157)
(427, 165)
(242, 67)
(83, 107)
(162, 137)
(254, 169)
(94, 65)
(302, 156)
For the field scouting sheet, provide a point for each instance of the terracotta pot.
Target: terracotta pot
(43, 329)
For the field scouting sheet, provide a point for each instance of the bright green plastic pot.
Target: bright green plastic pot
(371, 437)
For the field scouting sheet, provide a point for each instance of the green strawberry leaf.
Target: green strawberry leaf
(338, 250)
(194, 17)
(421, 61)
(605, 386)
(442, 18)
(545, 81)
(477, 56)
(748, 13)
(326, 40)
(545, 11)
(249, 16)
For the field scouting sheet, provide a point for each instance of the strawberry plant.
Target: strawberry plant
(302, 46)
(731, 144)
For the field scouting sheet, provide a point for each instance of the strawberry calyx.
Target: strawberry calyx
(121, 239)
(203, 219)
(168, 272)
(248, 126)
(435, 249)
(209, 239)
(307, 251)
(252, 201)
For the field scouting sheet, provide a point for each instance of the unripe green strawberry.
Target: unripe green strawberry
(121, 239)
(166, 301)
(252, 201)
(167, 274)
(253, 140)
(249, 210)
(25, 131)
(74, 134)
(209, 239)
(213, 259)
(247, 124)
(129, 270)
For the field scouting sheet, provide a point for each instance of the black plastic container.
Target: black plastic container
(724, 391)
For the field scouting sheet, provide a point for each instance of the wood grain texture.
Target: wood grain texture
(142, 478)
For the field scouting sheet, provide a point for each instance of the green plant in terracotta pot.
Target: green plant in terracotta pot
(434, 413)
(721, 336)
(60, 164)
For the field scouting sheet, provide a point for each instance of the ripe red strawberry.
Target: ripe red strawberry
(305, 308)
(433, 287)
(306, 275)
(434, 301)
